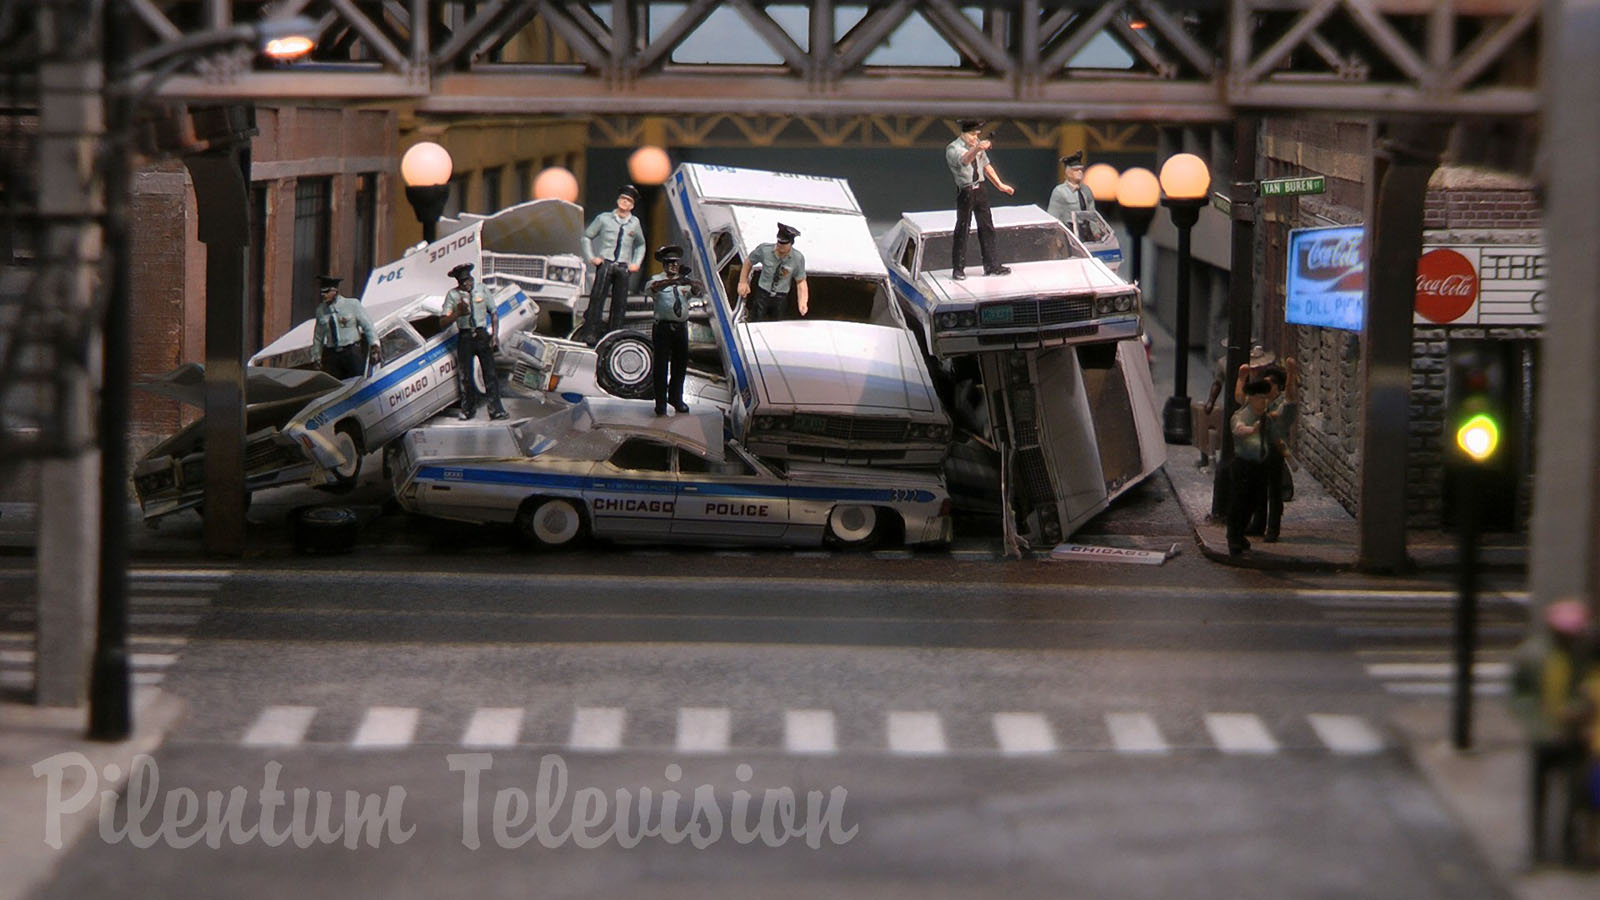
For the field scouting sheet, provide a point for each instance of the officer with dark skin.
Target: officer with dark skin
(670, 293)
(472, 309)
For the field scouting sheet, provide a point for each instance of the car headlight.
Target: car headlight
(566, 274)
(763, 423)
(1124, 302)
(968, 319)
(944, 320)
(1104, 305)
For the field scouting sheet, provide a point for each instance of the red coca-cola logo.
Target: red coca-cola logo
(1447, 286)
(1324, 259)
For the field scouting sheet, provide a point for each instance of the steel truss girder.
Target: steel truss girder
(1192, 60)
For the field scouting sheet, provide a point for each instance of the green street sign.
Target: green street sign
(1289, 187)
(1221, 203)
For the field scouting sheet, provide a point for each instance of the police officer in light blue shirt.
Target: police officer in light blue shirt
(342, 326)
(968, 159)
(614, 244)
(670, 294)
(780, 265)
(471, 308)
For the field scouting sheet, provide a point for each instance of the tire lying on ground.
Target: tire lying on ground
(323, 529)
(622, 365)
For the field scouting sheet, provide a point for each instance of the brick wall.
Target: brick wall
(1430, 354)
(160, 209)
(1327, 439)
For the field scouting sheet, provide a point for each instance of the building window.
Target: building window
(491, 188)
(256, 316)
(522, 182)
(312, 228)
(366, 230)
(457, 201)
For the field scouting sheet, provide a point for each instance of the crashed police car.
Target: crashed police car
(609, 468)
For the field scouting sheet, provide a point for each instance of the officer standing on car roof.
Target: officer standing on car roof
(342, 327)
(669, 336)
(781, 265)
(968, 159)
(472, 309)
(614, 244)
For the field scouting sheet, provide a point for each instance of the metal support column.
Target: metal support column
(1564, 547)
(1241, 286)
(221, 188)
(1403, 162)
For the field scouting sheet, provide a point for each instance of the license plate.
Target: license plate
(995, 315)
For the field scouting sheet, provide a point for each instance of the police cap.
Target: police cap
(629, 191)
(786, 234)
(1073, 160)
(669, 253)
(462, 271)
(969, 124)
(325, 282)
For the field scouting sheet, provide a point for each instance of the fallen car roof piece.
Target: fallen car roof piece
(832, 243)
(539, 227)
(187, 383)
(848, 365)
(299, 337)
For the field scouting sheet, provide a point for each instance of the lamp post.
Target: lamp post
(1137, 194)
(425, 168)
(648, 167)
(1185, 181)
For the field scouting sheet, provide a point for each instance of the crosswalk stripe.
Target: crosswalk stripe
(916, 733)
(703, 729)
(493, 727)
(809, 731)
(279, 726)
(1023, 733)
(13, 679)
(137, 585)
(1240, 733)
(151, 678)
(596, 728)
(163, 618)
(1436, 670)
(1135, 733)
(16, 657)
(1441, 688)
(386, 726)
(1345, 734)
(168, 600)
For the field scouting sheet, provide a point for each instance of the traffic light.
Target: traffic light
(1474, 419)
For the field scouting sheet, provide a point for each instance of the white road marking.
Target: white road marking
(810, 731)
(1436, 670)
(891, 554)
(163, 618)
(169, 600)
(19, 680)
(493, 727)
(149, 677)
(1135, 733)
(596, 728)
(916, 733)
(279, 726)
(16, 657)
(152, 660)
(1441, 688)
(386, 726)
(703, 729)
(1240, 733)
(1345, 734)
(1020, 734)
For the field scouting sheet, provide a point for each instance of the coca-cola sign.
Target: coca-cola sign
(1326, 282)
(1447, 286)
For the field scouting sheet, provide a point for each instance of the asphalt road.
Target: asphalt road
(949, 725)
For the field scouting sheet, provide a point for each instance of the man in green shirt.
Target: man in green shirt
(1247, 479)
(342, 327)
(968, 159)
(614, 244)
(780, 265)
(471, 308)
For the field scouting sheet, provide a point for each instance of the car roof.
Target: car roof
(539, 227)
(832, 243)
(700, 431)
(944, 220)
(759, 187)
(383, 313)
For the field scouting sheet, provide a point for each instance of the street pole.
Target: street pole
(1467, 488)
(1241, 293)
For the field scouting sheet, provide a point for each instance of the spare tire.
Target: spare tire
(623, 364)
(324, 529)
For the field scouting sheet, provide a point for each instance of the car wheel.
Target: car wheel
(323, 529)
(853, 527)
(347, 438)
(623, 365)
(552, 523)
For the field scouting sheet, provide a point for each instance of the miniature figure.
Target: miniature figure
(471, 308)
(968, 159)
(1247, 479)
(669, 336)
(1070, 196)
(780, 265)
(614, 244)
(342, 328)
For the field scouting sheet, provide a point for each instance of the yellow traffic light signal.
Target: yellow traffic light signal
(1478, 437)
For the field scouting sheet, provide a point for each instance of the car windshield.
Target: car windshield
(1021, 244)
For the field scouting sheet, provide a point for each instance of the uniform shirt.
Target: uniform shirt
(342, 323)
(777, 272)
(1248, 447)
(672, 303)
(480, 305)
(965, 174)
(1066, 200)
(612, 238)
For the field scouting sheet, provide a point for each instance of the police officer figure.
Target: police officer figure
(342, 326)
(968, 159)
(1070, 196)
(781, 265)
(669, 337)
(614, 244)
(472, 309)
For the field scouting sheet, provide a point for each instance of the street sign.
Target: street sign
(1220, 201)
(1289, 187)
(1113, 554)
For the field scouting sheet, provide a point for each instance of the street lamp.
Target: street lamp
(649, 167)
(1185, 181)
(1137, 194)
(556, 182)
(425, 168)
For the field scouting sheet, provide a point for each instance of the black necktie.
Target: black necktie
(677, 304)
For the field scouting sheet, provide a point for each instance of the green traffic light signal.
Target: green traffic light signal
(1478, 437)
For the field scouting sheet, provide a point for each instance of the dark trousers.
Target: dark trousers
(1247, 486)
(670, 343)
(349, 361)
(476, 345)
(762, 306)
(973, 202)
(1265, 518)
(610, 279)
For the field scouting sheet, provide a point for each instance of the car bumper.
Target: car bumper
(960, 343)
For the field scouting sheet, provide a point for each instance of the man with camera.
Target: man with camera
(614, 244)
(472, 309)
(671, 293)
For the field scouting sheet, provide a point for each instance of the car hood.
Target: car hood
(1032, 279)
(263, 384)
(840, 365)
(538, 227)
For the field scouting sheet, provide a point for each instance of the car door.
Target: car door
(404, 383)
(632, 493)
(729, 499)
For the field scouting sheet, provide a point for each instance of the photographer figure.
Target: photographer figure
(670, 293)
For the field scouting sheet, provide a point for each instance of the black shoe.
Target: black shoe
(1204, 461)
(680, 406)
(1271, 537)
(467, 414)
(499, 414)
(661, 410)
(1236, 549)
(1255, 531)
(957, 275)
(997, 270)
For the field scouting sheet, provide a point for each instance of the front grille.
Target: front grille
(1066, 309)
(1075, 331)
(263, 454)
(1027, 434)
(1033, 479)
(851, 428)
(512, 264)
(840, 456)
(525, 375)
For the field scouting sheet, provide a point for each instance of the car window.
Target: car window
(1091, 228)
(1023, 243)
(426, 325)
(642, 454)
(691, 463)
(908, 257)
(397, 342)
(722, 247)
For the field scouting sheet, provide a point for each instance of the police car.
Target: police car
(1057, 293)
(612, 469)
